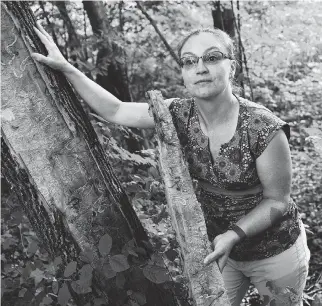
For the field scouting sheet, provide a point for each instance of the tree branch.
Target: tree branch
(168, 47)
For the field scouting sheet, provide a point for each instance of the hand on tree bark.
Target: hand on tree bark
(54, 59)
(222, 247)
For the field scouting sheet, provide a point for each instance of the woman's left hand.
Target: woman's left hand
(222, 247)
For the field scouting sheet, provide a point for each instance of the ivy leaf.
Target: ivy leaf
(120, 280)
(105, 244)
(119, 263)
(156, 274)
(108, 271)
(70, 269)
(139, 297)
(63, 295)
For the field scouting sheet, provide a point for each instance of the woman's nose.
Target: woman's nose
(201, 67)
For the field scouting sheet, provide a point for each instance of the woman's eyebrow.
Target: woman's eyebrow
(210, 48)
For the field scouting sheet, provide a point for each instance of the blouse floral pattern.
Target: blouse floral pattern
(234, 169)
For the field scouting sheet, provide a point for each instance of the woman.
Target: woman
(239, 153)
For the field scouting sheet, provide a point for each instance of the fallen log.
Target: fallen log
(207, 285)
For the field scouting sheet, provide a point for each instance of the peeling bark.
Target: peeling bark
(206, 282)
(59, 170)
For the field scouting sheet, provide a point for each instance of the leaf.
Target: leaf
(27, 270)
(87, 256)
(33, 247)
(86, 273)
(119, 263)
(63, 295)
(57, 261)
(156, 274)
(108, 271)
(120, 280)
(171, 254)
(55, 287)
(105, 244)
(70, 269)
(139, 297)
(22, 292)
(134, 303)
(38, 275)
(100, 302)
(81, 287)
(47, 300)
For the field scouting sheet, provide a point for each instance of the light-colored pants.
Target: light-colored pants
(280, 280)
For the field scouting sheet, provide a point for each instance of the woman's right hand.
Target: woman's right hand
(54, 59)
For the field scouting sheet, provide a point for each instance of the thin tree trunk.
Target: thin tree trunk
(206, 282)
(73, 40)
(53, 158)
(114, 78)
(111, 61)
(223, 19)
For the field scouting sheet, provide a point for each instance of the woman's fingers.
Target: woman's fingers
(222, 262)
(42, 59)
(43, 31)
(211, 257)
(42, 37)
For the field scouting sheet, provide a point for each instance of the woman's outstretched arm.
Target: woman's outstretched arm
(100, 100)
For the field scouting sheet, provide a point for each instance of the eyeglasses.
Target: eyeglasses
(210, 58)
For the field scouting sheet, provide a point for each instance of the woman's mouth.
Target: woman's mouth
(203, 81)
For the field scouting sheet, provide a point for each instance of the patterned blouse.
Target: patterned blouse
(234, 169)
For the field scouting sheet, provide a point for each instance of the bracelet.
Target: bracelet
(241, 234)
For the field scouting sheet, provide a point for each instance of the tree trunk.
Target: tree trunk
(111, 61)
(110, 55)
(53, 158)
(223, 19)
(207, 285)
(73, 40)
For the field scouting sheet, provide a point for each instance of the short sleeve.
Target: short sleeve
(180, 111)
(263, 126)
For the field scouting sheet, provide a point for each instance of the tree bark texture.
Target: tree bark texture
(53, 158)
(206, 282)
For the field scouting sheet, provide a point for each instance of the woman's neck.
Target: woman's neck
(217, 110)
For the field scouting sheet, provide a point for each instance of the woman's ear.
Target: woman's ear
(233, 65)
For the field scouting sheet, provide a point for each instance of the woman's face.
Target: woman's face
(206, 81)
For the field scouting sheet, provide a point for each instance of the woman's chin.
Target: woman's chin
(205, 94)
